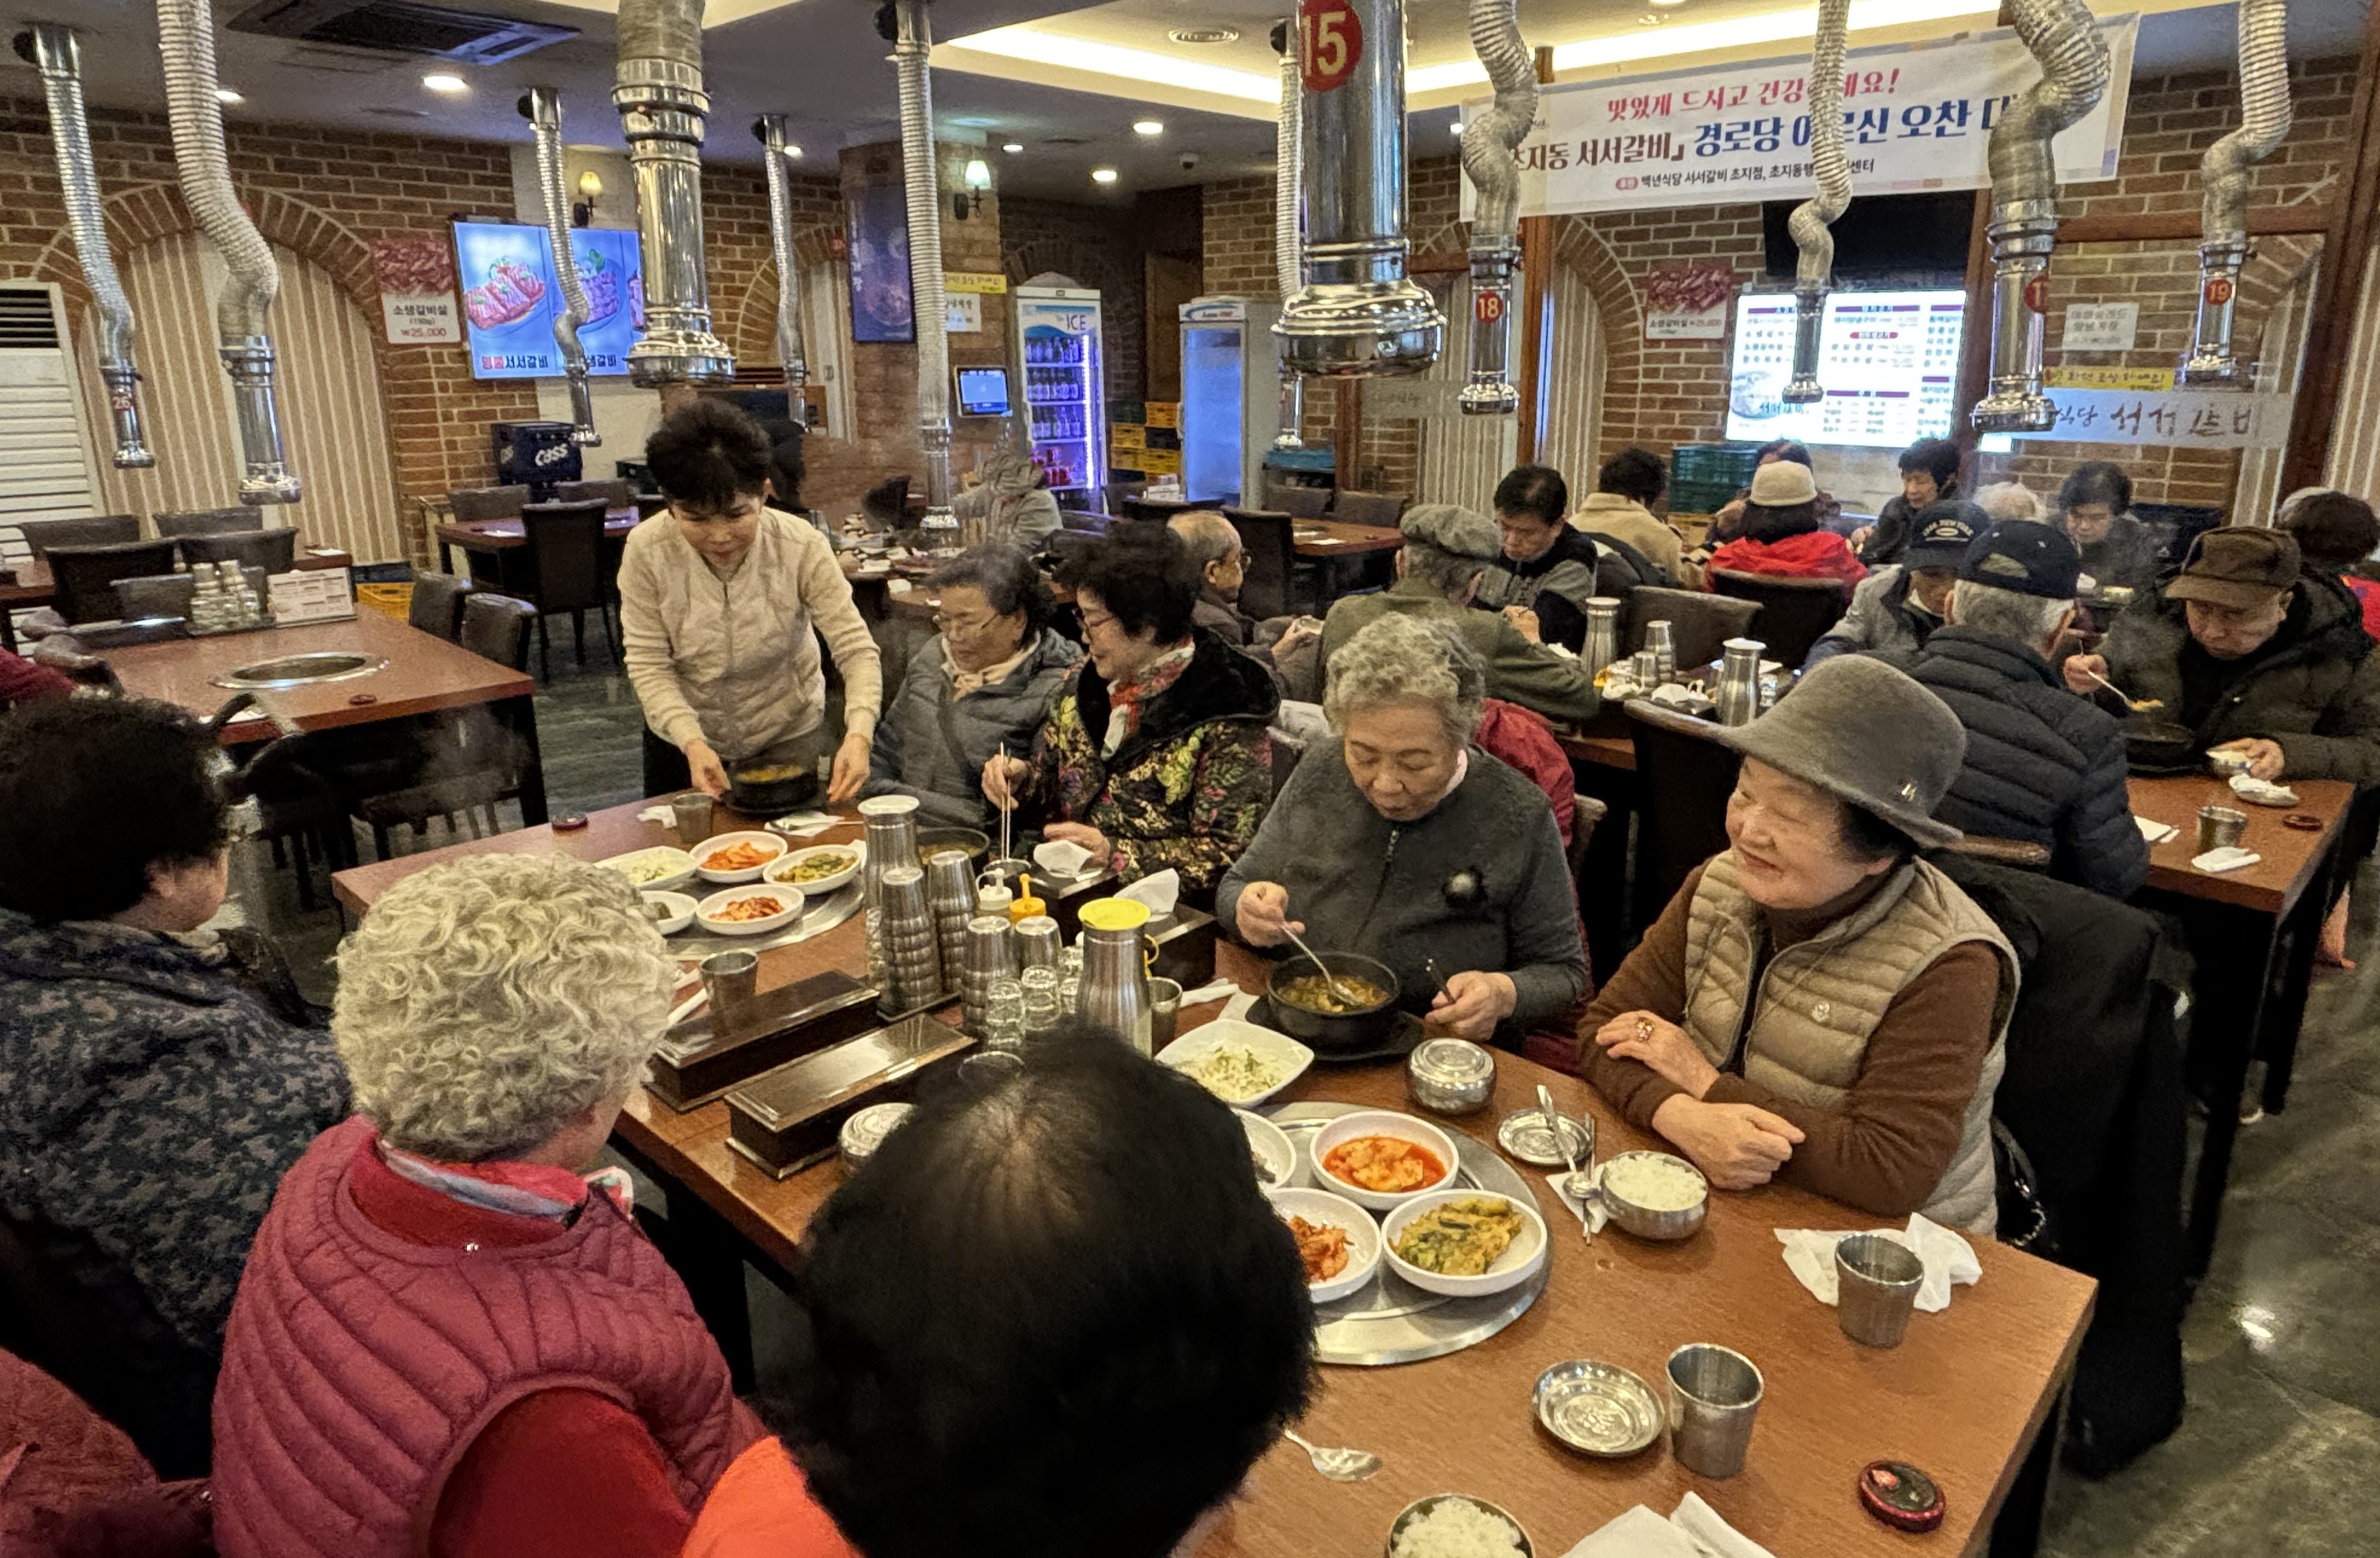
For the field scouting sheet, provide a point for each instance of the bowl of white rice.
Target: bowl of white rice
(1457, 1525)
(1654, 1195)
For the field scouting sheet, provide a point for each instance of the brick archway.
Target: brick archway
(1582, 248)
(752, 336)
(148, 213)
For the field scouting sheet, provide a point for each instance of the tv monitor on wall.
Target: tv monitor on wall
(512, 296)
(983, 392)
(1887, 362)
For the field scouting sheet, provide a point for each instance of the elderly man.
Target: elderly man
(1620, 508)
(2252, 658)
(1901, 603)
(2042, 765)
(1447, 549)
(1545, 572)
(1213, 543)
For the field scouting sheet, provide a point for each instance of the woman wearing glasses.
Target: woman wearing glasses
(985, 683)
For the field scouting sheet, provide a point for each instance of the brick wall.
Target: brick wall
(1102, 249)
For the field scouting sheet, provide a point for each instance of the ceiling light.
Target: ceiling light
(1456, 127)
(1205, 35)
(1012, 147)
(1055, 50)
(225, 96)
(1148, 127)
(793, 152)
(1669, 2)
(445, 83)
(1649, 19)
(1103, 175)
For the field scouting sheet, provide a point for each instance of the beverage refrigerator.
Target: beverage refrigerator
(1231, 397)
(1062, 366)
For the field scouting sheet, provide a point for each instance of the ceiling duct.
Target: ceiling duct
(913, 43)
(542, 108)
(2263, 121)
(1288, 220)
(1490, 139)
(659, 96)
(770, 130)
(394, 27)
(1813, 220)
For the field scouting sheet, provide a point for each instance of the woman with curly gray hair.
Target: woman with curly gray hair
(451, 1337)
(1411, 845)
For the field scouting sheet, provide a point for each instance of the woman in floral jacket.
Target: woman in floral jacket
(1154, 755)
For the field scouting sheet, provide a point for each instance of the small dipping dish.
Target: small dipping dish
(866, 1131)
(1651, 1222)
(1525, 1134)
(1451, 1075)
(1599, 1408)
(1413, 1513)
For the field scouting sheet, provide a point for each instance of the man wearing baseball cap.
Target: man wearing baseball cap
(2252, 657)
(2042, 765)
(1899, 604)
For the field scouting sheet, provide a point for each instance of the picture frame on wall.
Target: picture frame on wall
(879, 260)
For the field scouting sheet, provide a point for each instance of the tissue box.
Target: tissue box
(1185, 947)
(696, 1061)
(788, 1119)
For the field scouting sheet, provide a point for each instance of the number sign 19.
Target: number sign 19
(1330, 43)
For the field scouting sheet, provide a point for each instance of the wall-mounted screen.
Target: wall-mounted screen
(1888, 362)
(983, 392)
(511, 297)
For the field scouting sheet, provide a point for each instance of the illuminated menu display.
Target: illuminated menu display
(1887, 362)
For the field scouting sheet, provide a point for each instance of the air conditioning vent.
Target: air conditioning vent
(26, 322)
(394, 27)
(337, 62)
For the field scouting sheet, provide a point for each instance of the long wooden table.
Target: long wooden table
(495, 536)
(1966, 1396)
(34, 587)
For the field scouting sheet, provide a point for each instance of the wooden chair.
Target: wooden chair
(1288, 751)
(611, 494)
(1304, 503)
(1586, 813)
(1368, 508)
(1684, 777)
(1276, 583)
(85, 576)
(1083, 523)
(1699, 623)
(473, 503)
(207, 522)
(437, 606)
(97, 529)
(274, 551)
(563, 571)
(496, 628)
(1161, 509)
(154, 595)
(1794, 612)
(467, 760)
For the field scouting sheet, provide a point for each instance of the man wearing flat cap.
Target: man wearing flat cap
(2251, 656)
(1447, 549)
(2042, 765)
(1897, 605)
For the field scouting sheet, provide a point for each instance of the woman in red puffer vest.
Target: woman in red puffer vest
(1779, 533)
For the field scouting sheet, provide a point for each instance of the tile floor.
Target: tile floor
(2279, 1451)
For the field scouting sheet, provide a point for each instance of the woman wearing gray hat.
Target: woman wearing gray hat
(1817, 1003)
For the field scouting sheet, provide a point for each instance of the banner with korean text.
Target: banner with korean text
(1917, 117)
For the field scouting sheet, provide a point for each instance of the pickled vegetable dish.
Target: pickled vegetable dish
(1462, 1238)
(1385, 1165)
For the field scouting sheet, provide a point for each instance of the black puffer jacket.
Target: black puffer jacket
(2317, 693)
(2042, 765)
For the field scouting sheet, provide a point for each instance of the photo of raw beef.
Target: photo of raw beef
(511, 293)
(600, 283)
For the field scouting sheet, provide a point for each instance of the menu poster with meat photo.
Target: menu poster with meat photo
(1686, 300)
(416, 291)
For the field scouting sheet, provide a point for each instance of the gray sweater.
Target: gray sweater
(1479, 883)
(913, 755)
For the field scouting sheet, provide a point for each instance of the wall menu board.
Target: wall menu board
(511, 297)
(1888, 362)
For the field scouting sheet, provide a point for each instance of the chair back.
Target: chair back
(1287, 752)
(565, 555)
(274, 551)
(1303, 502)
(1269, 547)
(97, 529)
(1586, 811)
(610, 494)
(1684, 777)
(86, 576)
(496, 628)
(154, 595)
(207, 522)
(471, 504)
(1161, 509)
(437, 607)
(1794, 612)
(1083, 523)
(1368, 508)
(1698, 623)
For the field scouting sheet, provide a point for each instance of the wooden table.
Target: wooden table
(1352, 555)
(424, 674)
(1965, 1397)
(493, 536)
(34, 587)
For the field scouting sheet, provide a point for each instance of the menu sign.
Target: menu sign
(416, 291)
(512, 297)
(1887, 362)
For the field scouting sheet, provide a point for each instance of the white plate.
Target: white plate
(706, 912)
(1337, 1211)
(680, 906)
(1379, 1122)
(1286, 1054)
(1521, 1258)
(824, 885)
(680, 864)
(770, 844)
(1270, 1142)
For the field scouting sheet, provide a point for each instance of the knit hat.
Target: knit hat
(2026, 557)
(1459, 533)
(1783, 484)
(1942, 533)
(1867, 735)
(2237, 565)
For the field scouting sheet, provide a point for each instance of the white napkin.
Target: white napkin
(1693, 1531)
(1949, 1259)
(1238, 1007)
(805, 824)
(1213, 990)
(661, 814)
(898, 587)
(2152, 830)
(2230, 858)
(1676, 695)
(1060, 859)
(1159, 891)
(1595, 1214)
(2262, 792)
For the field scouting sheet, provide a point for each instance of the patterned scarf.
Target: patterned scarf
(1127, 698)
(516, 1189)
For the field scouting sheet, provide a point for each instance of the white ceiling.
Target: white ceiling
(820, 62)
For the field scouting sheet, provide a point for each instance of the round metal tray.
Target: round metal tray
(301, 670)
(818, 917)
(1599, 1408)
(1389, 1319)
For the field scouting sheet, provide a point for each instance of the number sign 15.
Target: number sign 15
(1331, 43)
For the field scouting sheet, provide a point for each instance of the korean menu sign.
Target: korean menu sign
(512, 297)
(1887, 362)
(1917, 117)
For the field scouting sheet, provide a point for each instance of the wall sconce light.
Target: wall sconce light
(967, 201)
(591, 190)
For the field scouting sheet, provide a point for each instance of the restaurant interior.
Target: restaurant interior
(696, 623)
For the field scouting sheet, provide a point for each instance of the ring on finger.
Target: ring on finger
(1644, 1028)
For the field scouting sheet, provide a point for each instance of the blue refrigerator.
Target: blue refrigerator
(1231, 397)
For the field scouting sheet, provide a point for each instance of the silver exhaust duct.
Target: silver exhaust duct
(543, 109)
(186, 35)
(1358, 315)
(2263, 121)
(1288, 216)
(658, 89)
(1813, 220)
(1488, 142)
(2024, 228)
(52, 47)
(931, 314)
(770, 130)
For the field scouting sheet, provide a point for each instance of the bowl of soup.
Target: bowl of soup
(1381, 1159)
(1356, 1016)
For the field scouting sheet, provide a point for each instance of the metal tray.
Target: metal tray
(818, 917)
(1389, 1319)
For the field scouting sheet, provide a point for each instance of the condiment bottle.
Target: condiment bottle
(1028, 906)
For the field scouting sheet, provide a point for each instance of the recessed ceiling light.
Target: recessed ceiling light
(1456, 127)
(1649, 19)
(1103, 175)
(445, 83)
(1205, 35)
(1669, 2)
(793, 152)
(1148, 127)
(1012, 147)
(226, 96)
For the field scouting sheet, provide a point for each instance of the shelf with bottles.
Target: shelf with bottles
(1054, 351)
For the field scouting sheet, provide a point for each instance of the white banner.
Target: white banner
(2175, 418)
(1917, 117)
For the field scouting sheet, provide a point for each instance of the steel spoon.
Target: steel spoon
(1574, 1184)
(1328, 981)
(2137, 705)
(1340, 1465)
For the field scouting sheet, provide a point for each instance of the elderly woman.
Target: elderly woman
(1407, 843)
(1817, 1005)
(1010, 502)
(982, 685)
(722, 602)
(1154, 755)
(1780, 533)
(155, 1078)
(450, 1339)
(2094, 510)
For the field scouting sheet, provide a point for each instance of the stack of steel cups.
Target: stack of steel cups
(912, 953)
(892, 843)
(950, 892)
(990, 957)
(1038, 942)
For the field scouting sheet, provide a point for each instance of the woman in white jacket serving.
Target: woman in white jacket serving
(722, 602)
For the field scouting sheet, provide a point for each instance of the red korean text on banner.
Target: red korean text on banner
(1331, 43)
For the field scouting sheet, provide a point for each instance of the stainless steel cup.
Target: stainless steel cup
(1875, 1280)
(692, 811)
(2220, 827)
(949, 882)
(990, 948)
(1164, 1011)
(1038, 942)
(730, 979)
(1713, 1393)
